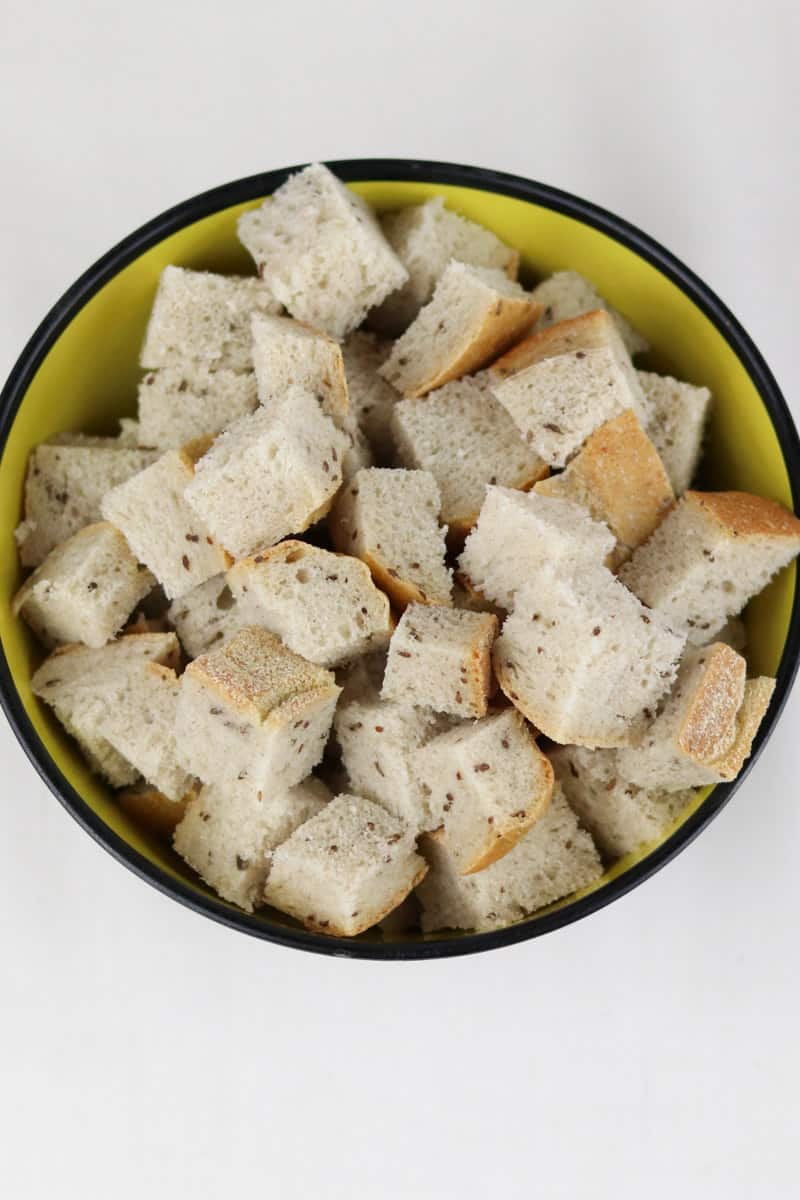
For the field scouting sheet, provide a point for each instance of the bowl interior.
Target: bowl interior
(88, 379)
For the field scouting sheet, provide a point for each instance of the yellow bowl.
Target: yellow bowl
(79, 372)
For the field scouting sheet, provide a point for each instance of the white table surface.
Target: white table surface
(650, 1050)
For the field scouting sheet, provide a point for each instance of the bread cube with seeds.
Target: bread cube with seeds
(181, 403)
(489, 784)
(321, 252)
(253, 710)
(441, 658)
(389, 518)
(85, 589)
(269, 475)
(345, 869)
(206, 616)
(372, 398)
(562, 383)
(322, 605)
(567, 294)
(475, 314)
(677, 413)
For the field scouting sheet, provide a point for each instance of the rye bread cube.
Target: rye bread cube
(85, 589)
(345, 869)
(253, 710)
(178, 404)
(441, 658)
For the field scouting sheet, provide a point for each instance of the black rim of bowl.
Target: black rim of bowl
(356, 170)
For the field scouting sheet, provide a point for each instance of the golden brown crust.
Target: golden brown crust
(745, 515)
(152, 811)
(589, 331)
(479, 666)
(757, 696)
(360, 926)
(709, 722)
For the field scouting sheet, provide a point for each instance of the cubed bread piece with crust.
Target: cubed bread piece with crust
(567, 294)
(517, 534)
(467, 441)
(620, 816)
(254, 710)
(379, 740)
(178, 404)
(64, 486)
(345, 869)
(757, 697)
(582, 659)
(389, 518)
(204, 318)
(562, 383)
(709, 556)
(320, 250)
(100, 755)
(676, 419)
(207, 616)
(151, 810)
(618, 477)
(489, 784)
(162, 529)
(553, 859)
(269, 475)
(425, 237)
(322, 605)
(441, 658)
(475, 314)
(228, 834)
(372, 398)
(85, 589)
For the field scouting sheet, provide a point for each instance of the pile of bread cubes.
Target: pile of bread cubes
(506, 650)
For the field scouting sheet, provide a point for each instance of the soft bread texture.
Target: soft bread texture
(441, 657)
(389, 518)
(151, 810)
(320, 250)
(710, 555)
(562, 383)
(553, 859)
(425, 237)
(64, 486)
(379, 740)
(204, 318)
(475, 313)
(322, 605)
(489, 783)
(676, 419)
(228, 834)
(567, 294)
(269, 475)
(518, 534)
(696, 726)
(620, 816)
(345, 869)
(180, 403)
(207, 616)
(618, 477)
(582, 659)
(467, 440)
(372, 398)
(85, 589)
(253, 710)
(162, 530)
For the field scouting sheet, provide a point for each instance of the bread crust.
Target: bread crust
(743, 515)
(708, 726)
(151, 810)
(360, 926)
(589, 331)
(498, 844)
(757, 696)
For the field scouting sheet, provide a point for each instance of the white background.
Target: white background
(650, 1050)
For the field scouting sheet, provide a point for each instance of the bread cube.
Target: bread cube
(269, 475)
(553, 859)
(390, 519)
(345, 869)
(254, 710)
(178, 404)
(467, 440)
(203, 318)
(709, 556)
(207, 616)
(162, 529)
(676, 419)
(441, 658)
(372, 398)
(228, 834)
(64, 486)
(101, 757)
(489, 784)
(425, 237)
(518, 534)
(152, 811)
(562, 383)
(85, 589)
(567, 294)
(475, 314)
(322, 605)
(321, 251)
(618, 477)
